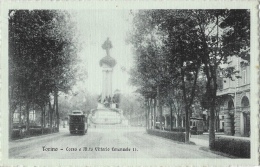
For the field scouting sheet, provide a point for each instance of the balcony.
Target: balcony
(232, 90)
(243, 88)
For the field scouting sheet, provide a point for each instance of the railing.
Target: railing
(229, 90)
(242, 88)
(232, 90)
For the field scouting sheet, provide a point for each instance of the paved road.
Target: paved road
(105, 142)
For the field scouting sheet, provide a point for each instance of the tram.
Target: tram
(78, 122)
(196, 125)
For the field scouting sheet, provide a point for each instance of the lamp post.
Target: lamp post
(236, 84)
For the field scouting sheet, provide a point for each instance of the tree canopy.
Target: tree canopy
(175, 47)
(43, 50)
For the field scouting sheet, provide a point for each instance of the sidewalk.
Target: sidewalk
(216, 133)
(234, 137)
(202, 140)
(199, 142)
(61, 129)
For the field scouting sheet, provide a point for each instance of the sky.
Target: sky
(94, 27)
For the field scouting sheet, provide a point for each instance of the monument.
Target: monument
(108, 111)
(107, 64)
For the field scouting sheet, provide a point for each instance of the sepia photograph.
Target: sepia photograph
(130, 84)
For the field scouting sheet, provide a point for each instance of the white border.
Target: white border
(134, 4)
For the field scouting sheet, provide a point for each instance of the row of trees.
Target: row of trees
(132, 105)
(178, 54)
(80, 100)
(42, 61)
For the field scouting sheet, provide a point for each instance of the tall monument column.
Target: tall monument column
(107, 64)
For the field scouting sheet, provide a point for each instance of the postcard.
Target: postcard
(129, 83)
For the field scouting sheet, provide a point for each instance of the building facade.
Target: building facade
(235, 97)
(34, 117)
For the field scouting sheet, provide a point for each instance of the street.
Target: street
(104, 142)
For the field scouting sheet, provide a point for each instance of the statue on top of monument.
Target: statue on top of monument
(107, 45)
(108, 60)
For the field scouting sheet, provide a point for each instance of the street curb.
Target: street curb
(200, 148)
(190, 143)
(32, 137)
(218, 152)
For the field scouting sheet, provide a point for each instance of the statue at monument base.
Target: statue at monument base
(109, 102)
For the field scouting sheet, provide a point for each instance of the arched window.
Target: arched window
(230, 104)
(231, 130)
(245, 117)
(245, 102)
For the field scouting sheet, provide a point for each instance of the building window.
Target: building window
(245, 102)
(230, 105)
(244, 76)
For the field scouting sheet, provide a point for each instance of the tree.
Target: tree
(42, 53)
(133, 106)
(152, 72)
(208, 47)
(174, 100)
(189, 40)
(183, 44)
(181, 62)
(79, 100)
(217, 44)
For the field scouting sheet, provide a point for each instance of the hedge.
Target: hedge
(232, 146)
(180, 129)
(16, 133)
(34, 131)
(177, 136)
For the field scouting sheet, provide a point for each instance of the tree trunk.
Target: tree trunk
(160, 111)
(216, 121)
(187, 125)
(27, 119)
(50, 114)
(212, 114)
(42, 118)
(154, 113)
(150, 113)
(212, 127)
(54, 115)
(179, 118)
(171, 125)
(147, 113)
(10, 124)
(159, 106)
(20, 115)
(57, 111)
